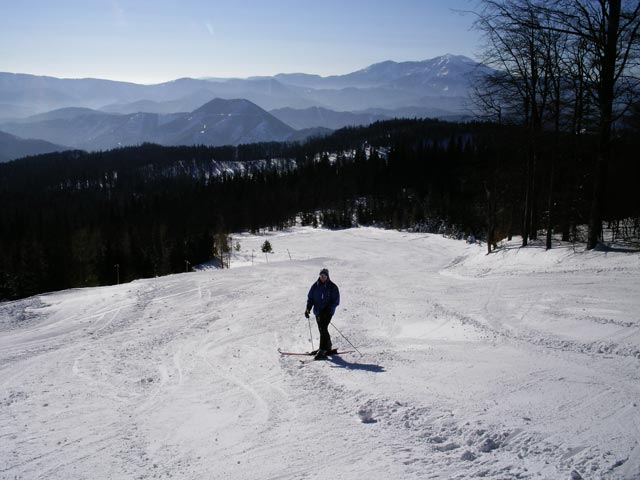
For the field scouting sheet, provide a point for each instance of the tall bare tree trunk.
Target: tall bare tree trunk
(606, 120)
(550, 210)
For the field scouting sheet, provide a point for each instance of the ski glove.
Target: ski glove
(306, 313)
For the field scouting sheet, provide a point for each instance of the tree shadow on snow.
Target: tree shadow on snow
(339, 362)
(621, 247)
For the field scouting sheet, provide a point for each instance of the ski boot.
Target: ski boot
(320, 354)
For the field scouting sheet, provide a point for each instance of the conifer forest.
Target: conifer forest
(76, 219)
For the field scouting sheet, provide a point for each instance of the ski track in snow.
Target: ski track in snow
(519, 364)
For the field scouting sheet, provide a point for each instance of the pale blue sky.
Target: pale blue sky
(150, 41)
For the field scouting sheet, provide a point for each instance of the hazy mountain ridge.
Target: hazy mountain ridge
(390, 73)
(95, 114)
(318, 116)
(221, 122)
(218, 122)
(12, 147)
(383, 85)
(331, 119)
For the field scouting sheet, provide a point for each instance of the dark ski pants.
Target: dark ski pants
(324, 319)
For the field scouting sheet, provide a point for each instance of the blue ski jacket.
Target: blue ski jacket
(323, 296)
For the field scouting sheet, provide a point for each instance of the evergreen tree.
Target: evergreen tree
(266, 247)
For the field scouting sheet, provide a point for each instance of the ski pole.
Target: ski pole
(310, 334)
(346, 338)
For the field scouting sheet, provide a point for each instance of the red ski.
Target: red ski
(311, 354)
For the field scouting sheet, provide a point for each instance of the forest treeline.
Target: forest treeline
(560, 66)
(74, 219)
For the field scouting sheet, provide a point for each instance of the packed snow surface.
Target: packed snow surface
(520, 364)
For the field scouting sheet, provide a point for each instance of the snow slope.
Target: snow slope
(519, 364)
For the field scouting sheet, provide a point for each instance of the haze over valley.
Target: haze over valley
(93, 114)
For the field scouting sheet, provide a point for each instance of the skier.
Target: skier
(324, 297)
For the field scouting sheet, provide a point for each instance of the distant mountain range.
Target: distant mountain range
(388, 85)
(322, 117)
(218, 122)
(100, 114)
(12, 147)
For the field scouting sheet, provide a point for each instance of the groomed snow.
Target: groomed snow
(520, 364)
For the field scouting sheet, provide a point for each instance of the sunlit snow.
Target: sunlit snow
(519, 364)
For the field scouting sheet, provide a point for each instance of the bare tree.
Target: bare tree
(600, 53)
(520, 87)
(608, 31)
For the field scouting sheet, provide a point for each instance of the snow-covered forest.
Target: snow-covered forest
(67, 218)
